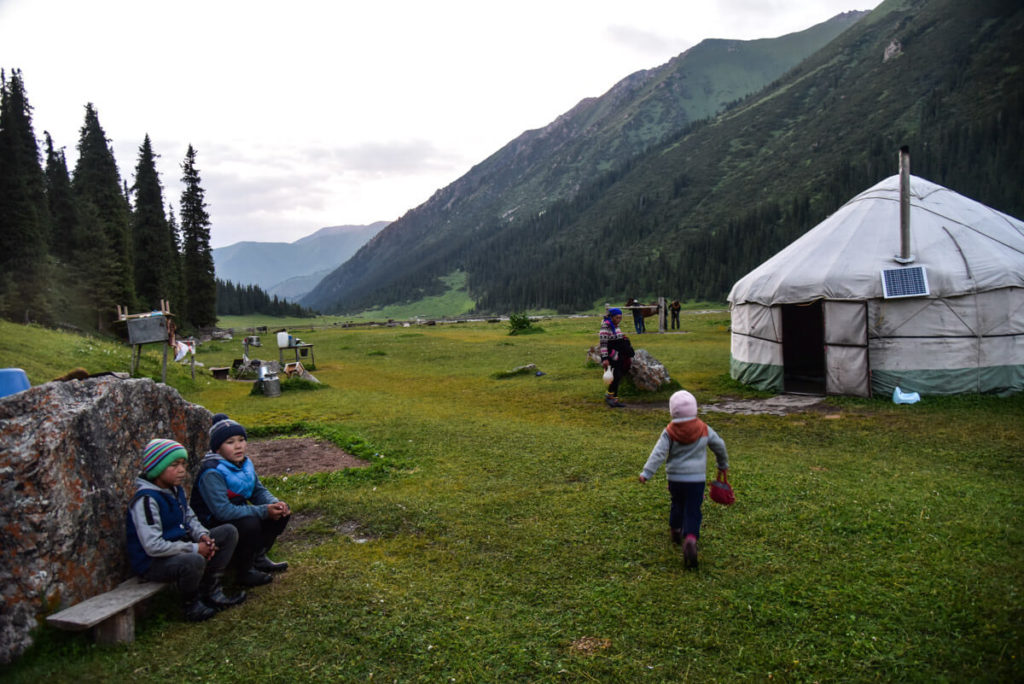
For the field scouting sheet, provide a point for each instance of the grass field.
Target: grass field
(501, 533)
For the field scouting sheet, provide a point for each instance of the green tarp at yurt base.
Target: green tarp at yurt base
(843, 310)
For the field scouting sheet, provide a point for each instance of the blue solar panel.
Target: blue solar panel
(904, 282)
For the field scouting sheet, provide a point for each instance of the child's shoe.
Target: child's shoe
(197, 611)
(213, 594)
(676, 534)
(690, 551)
(264, 564)
(254, 578)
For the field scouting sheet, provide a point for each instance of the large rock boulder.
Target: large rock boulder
(646, 372)
(68, 462)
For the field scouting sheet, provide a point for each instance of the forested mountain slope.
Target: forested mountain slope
(543, 166)
(691, 217)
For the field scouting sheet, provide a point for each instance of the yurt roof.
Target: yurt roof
(964, 246)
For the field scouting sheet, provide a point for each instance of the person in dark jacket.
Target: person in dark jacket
(228, 491)
(616, 353)
(165, 541)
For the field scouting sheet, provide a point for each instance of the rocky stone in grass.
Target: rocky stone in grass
(68, 462)
(646, 372)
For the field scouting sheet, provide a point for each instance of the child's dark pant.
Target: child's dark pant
(186, 570)
(685, 512)
(255, 535)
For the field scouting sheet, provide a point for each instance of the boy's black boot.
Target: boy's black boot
(254, 578)
(213, 594)
(197, 611)
(264, 564)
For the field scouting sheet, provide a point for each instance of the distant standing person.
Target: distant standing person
(638, 315)
(683, 446)
(674, 307)
(616, 353)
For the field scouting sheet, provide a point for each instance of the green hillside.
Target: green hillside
(690, 217)
(519, 181)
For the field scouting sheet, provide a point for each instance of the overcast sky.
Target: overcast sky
(312, 113)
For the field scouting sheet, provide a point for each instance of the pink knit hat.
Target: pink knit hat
(682, 404)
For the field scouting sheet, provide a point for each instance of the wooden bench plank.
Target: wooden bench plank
(119, 600)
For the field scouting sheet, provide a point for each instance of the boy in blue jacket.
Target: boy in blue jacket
(683, 444)
(166, 543)
(228, 491)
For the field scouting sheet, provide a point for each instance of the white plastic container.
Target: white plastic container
(282, 339)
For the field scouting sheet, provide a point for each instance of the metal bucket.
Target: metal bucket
(271, 387)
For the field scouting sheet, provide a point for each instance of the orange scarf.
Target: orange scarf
(687, 431)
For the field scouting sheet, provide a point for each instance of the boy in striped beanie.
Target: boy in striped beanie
(165, 540)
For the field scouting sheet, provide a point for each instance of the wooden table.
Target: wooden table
(297, 348)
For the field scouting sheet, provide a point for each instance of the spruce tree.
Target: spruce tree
(154, 254)
(177, 290)
(97, 187)
(66, 240)
(69, 246)
(25, 271)
(197, 261)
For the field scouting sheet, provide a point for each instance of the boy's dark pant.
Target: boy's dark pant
(255, 535)
(685, 512)
(186, 570)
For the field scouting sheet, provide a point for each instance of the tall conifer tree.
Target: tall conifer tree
(66, 240)
(177, 287)
(97, 187)
(155, 256)
(24, 215)
(197, 261)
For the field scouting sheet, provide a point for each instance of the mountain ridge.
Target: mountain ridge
(271, 265)
(553, 162)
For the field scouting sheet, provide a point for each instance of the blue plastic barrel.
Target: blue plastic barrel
(12, 381)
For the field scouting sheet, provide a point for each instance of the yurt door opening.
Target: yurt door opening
(803, 348)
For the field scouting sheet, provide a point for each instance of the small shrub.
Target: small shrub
(520, 324)
(517, 322)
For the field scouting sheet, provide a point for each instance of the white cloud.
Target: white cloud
(324, 112)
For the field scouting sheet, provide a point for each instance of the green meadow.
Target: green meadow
(501, 534)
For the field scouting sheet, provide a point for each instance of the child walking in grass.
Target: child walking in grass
(683, 446)
(228, 491)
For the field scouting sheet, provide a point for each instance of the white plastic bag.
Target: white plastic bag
(901, 397)
(608, 376)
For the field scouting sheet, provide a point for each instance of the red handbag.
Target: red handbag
(721, 492)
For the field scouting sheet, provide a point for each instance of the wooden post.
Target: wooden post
(661, 315)
(163, 372)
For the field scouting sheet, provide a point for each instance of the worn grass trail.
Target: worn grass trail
(501, 533)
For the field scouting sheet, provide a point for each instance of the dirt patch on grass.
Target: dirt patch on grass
(781, 405)
(299, 455)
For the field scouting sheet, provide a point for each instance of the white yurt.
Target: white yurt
(925, 294)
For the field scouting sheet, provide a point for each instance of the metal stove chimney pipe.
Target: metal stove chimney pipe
(905, 257)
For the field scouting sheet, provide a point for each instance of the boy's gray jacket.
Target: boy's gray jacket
(686, 462)
(151, 536)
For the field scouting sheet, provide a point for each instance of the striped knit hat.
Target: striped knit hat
(159, 454)
(222, 428)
